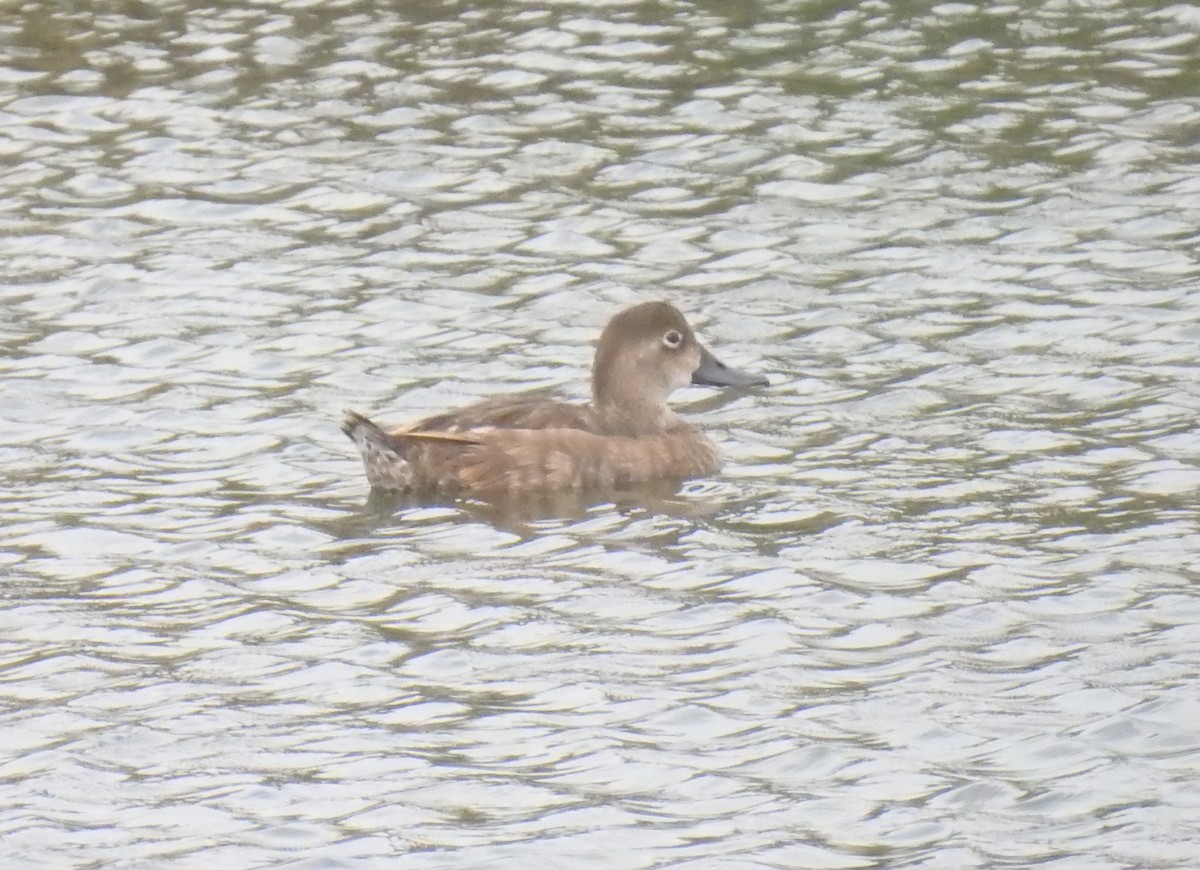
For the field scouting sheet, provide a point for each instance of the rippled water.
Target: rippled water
(940, 609)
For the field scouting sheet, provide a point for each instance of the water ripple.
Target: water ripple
(937, 610)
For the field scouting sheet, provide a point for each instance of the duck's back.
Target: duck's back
(512, 412)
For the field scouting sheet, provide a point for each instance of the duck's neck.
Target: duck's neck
(633, 418)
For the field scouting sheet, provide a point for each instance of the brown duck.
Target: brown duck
(625, 437)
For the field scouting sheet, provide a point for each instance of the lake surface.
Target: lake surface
(940, 609)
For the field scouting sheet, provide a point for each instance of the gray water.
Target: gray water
(939, 610)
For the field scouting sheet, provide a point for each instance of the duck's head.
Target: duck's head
(647, 352)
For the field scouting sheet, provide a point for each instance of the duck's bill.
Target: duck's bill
(713, 373)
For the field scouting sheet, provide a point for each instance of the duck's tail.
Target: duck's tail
(386, 467)
(386, 455)
(355, 425)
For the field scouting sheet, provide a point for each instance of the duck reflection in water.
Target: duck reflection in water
(535, 450)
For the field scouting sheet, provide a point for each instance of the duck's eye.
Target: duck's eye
(673, 339)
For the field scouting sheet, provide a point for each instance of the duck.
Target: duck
(508, 446)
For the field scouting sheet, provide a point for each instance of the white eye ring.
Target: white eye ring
(673, 339)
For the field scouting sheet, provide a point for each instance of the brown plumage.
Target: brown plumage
(626, 436)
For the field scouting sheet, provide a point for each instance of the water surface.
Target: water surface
(939, 610)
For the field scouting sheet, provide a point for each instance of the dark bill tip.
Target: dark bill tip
(713, 373)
